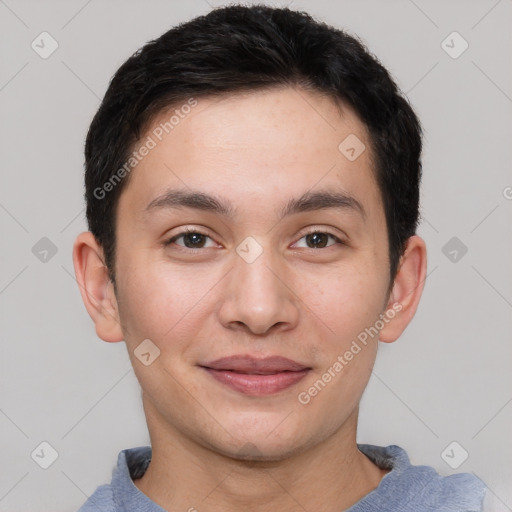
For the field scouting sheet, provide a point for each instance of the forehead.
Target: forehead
(270, 117)
(276, 142)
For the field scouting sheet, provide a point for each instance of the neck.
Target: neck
(185, 475)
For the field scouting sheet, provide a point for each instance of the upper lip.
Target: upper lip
(250, 364)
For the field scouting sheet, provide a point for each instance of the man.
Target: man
(252, 186)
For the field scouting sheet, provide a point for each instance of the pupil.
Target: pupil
(193, 240)
(317, 240)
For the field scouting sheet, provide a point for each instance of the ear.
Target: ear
(407, 289)
(96, 287)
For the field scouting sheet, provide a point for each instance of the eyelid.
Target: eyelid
(341, 238)
(304, 232)
(186, 230)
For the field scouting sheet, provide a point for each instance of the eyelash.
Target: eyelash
(200, 232)
(186, 231)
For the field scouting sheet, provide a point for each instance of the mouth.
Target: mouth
(255, 376)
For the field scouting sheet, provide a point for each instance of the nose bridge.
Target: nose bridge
(257, 296)
(257, 279)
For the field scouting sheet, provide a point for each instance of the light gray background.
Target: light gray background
(447, 379)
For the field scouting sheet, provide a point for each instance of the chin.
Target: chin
(260, 452)
(274, 437)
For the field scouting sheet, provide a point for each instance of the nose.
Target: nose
(258, 299)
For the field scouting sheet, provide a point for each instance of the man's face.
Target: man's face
(267, 166)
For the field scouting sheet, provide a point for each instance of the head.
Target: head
(252, 187)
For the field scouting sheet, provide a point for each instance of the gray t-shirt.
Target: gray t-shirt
(406, 488)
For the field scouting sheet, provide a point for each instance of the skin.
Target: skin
(213, 448)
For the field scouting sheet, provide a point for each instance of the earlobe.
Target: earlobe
(407, 289)
(96, 288)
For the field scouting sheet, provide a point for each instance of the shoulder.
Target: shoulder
(102, 500)
(121, 493)
(421, 488)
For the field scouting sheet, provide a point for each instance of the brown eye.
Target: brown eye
(317, 240)
(192, 240)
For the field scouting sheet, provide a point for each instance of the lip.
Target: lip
(245, 363)
(256, 376)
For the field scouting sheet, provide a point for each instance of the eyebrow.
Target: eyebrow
(197, 200)
(310, 201)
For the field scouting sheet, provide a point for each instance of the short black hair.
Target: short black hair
(240, 48)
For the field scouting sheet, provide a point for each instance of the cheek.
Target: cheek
(346, 300)
(351, 302)
(347, 350)
(160, 301)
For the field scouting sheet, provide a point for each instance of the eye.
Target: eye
(317, 240)
(192, 240)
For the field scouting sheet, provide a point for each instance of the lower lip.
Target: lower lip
(257, 385)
